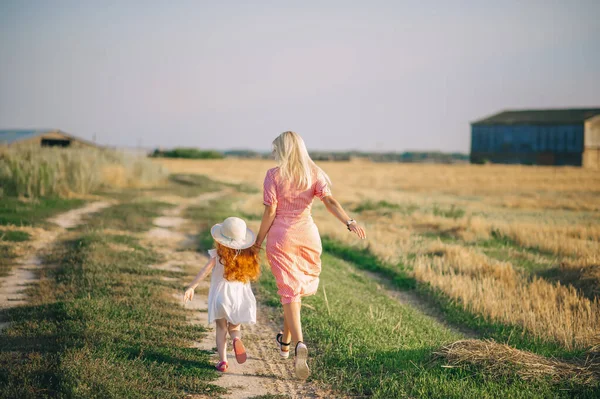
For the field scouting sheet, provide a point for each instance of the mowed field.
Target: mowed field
(474, 282)
(503, 253)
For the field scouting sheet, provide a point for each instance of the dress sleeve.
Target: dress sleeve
(269, 190)
(212, 253)
(322, 189)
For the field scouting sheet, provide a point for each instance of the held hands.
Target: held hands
(189, 295)
(257, 246)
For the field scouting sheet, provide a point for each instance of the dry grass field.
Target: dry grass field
(519, 245)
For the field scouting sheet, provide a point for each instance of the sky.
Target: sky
(345, 75)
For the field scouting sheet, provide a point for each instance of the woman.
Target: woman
(293, 241)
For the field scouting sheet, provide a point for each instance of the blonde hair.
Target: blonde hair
(294, 162)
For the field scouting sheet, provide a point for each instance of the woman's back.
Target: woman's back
(290, 200)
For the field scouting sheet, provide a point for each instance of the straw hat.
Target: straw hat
(233, 233)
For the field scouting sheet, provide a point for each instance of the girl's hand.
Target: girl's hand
(189, 295)
(360, 232)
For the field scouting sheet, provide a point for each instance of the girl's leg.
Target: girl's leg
(291, 317)
(238, 345)
(221, 334)
(234, 331)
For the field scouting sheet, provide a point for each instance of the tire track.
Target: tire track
(24, 274)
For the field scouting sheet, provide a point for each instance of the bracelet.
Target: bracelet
(349, 222)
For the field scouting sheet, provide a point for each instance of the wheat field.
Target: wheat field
(517, 244)
(33, 172)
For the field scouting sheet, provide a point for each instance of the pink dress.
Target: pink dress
(293, 242)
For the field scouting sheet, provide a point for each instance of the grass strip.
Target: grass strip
(14, 211)
(7, 257)
(136, 217)
(454, 313)
(102, 325)
(365, 343)
(14, 235)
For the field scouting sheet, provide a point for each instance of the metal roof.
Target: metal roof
(11, 136)
(540, 117)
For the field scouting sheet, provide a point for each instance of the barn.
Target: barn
(41, 138)
(538, 137)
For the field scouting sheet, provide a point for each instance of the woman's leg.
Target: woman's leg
(291, 313)
(287, 334)
(221, 335)
(291, 317)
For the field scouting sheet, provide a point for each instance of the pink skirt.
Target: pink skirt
(294, 254)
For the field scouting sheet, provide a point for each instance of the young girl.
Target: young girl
(234, 263)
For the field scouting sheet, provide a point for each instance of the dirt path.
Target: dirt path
(264, 372)
(25, 271)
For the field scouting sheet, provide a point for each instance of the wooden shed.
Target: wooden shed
(591, 151)
(42, 138)
(543, 137)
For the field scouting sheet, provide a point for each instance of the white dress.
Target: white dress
(231, 300)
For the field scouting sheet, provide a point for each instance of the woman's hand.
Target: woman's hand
(360, 232)
(189, 295)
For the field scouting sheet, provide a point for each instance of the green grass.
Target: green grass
(7, 257)
(14, 236)
(530, 260)
(399, 277)
(369, 205)
(181, 185)
(101, 324)
(136, 216)
(364, 343)
(33, 213)
(206, 215)
(453, 212)
(191, 185)
(503, 249)
(506, 250)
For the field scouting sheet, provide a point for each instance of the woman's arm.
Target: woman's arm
(189, 292)
(265, 224)
(334, 207)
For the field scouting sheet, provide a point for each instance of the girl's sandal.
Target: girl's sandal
(239, 350)
(284, 353)
(222, 366)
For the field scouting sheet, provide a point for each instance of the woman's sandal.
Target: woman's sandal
(302, 370)
(239, 350)
(222, 366)
(284, 353)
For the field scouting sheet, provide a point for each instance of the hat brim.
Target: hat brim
(217, 235)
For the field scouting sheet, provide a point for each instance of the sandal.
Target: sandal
(302, 370)
(239, 350)
(284, 353)
(222, 366)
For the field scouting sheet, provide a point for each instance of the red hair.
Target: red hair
(239, 265)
